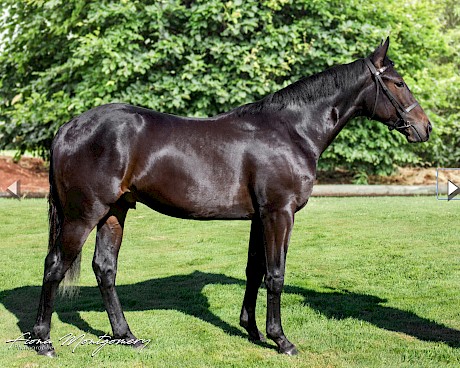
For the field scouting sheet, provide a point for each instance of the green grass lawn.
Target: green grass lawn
(370, 282)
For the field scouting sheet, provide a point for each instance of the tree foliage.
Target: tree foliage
(202, 57)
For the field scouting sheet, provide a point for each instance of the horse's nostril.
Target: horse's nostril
(430, 128)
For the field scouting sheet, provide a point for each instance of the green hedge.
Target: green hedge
(60, 58)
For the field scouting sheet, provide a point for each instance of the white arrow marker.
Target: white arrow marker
(14, 189)
(452, 190)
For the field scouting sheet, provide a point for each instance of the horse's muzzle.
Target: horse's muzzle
(417, 132)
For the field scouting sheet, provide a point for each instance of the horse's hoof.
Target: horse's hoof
(132, 341)
(291, 350)
(50, 353)
(138, 345)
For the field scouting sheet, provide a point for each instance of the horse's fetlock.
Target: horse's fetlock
(274, 332)
(40, 332)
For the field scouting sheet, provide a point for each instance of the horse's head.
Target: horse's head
(391, 101)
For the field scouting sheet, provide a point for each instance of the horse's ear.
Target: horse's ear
(380, 53)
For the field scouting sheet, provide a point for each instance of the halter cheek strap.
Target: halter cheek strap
(402, 111)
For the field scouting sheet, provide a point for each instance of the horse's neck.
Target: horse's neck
(322, 120)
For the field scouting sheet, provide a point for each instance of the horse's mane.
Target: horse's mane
(308, 89)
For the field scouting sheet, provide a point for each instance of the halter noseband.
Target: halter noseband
(402, 111)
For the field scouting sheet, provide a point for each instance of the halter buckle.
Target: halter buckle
(381, 70)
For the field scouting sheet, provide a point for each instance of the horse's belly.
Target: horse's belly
(191, 190)
(197, 204)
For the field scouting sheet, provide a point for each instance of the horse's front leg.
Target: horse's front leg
(277, 230)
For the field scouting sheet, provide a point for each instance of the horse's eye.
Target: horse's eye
(399, 84)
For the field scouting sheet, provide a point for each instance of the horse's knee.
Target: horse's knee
(274, 281)
(105, 272)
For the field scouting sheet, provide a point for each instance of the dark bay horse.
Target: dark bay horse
(256, 162)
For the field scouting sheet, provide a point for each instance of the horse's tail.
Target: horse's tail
(55, 215)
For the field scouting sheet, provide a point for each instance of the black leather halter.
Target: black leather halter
(403, 121)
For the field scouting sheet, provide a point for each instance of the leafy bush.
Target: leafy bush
(203, 57)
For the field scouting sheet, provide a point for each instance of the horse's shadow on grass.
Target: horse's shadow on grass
(184, 293)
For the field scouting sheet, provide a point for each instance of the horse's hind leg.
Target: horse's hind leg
(108, 242)
(59, 259)
(255, 271)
